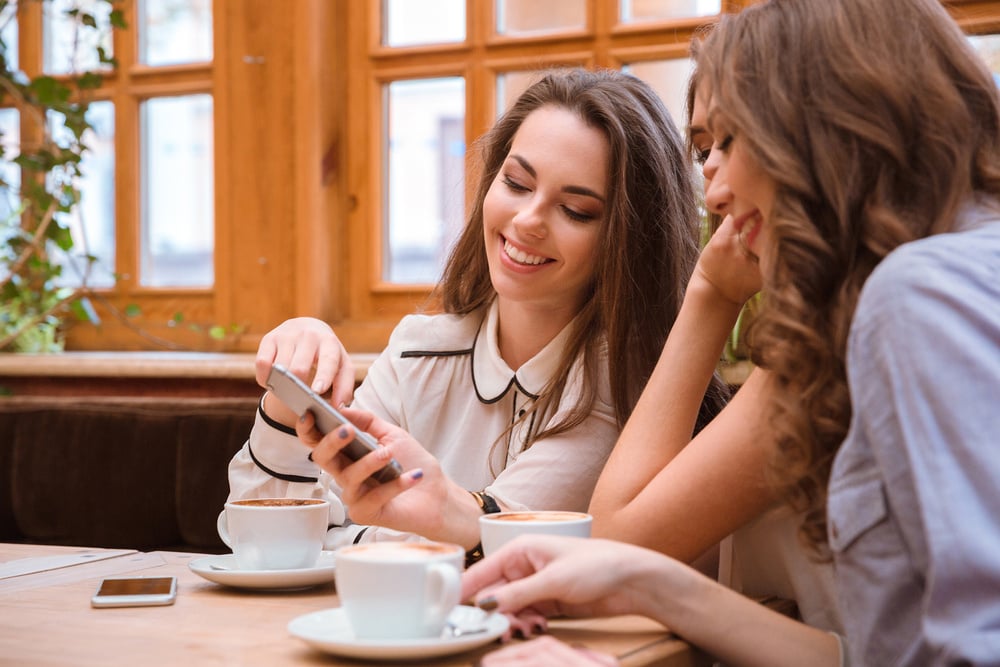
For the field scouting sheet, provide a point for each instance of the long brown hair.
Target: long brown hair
(876, 120)
(648, 246)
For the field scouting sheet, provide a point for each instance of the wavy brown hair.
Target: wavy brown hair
(876, 120)
(648, 242)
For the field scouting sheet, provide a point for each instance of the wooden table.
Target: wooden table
(46, 619)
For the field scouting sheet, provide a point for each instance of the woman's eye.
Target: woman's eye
(576, 215)
(701, 155)
(724, 144)
(514, 185)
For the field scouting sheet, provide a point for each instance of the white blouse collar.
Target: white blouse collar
(491, 375)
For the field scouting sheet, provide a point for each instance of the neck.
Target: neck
(524, 331)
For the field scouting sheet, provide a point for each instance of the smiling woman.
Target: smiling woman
(558, 296)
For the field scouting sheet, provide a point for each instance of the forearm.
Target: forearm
(711, 488)
(731, 627)
(663, 420)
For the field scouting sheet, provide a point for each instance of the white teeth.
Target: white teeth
(520, 256)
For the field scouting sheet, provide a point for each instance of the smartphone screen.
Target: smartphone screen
(135, 592)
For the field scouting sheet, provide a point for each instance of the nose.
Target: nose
(530, 218)
(717, 193)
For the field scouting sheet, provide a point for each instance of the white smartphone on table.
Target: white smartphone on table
(298, 396)
(135, 592)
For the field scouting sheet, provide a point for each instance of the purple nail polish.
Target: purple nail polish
(342, 433)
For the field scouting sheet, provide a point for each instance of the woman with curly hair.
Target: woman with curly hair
(857, 159)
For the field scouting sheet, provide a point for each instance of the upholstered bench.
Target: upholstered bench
(142, 473)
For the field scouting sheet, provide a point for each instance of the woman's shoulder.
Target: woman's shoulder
(443, 332)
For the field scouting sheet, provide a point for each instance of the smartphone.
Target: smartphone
(297, 395)
(135, 592)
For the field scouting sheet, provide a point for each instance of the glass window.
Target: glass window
(519, 17)
(177, 223)
(407, 22)
(8, 33)
(10, 174)
(669, 78)
(637, 11)
(510, 85)
(988, 47)
(92, 222)
(174, 31)
(71, 47)
(426, 177)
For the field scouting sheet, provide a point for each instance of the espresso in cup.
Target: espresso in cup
(399, 590)
(275, 533)
(499, 528)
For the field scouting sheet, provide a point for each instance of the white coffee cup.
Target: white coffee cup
(275, 533)
(399, 590)
(499, 528)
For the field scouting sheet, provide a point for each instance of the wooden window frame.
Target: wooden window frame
(297, 100)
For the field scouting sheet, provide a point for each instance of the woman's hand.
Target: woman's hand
(544, 652)
(310, 350)
(566, 576)
(422, 500)
(727, 265)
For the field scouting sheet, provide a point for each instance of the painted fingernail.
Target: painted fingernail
(342, 433)
(538, 629)
(517, 634)
(416, 474)
(488, 603)
(310, 457)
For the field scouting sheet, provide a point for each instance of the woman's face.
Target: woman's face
(543, 214)
(734, 184)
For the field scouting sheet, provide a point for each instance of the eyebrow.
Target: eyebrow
(697, 131)
(570, 189)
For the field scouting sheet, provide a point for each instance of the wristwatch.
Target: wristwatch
(489, 506)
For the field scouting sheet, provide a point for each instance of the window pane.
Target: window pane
(406, 22)
(92, 224)
(510, 85)
(636, 11)
(8, 34)
(669, 78)
(426, 177)
(988, 47)
(174, 31)
(177, 234)
(62, 32)
(10, 142)
(516, 17)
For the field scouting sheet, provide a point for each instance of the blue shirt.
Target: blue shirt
(914, 494)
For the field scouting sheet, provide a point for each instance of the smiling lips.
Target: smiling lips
(754, 220)
(522, 257)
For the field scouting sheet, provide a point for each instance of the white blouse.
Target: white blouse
(442, 379)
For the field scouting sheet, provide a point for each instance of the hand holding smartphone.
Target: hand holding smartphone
(294, 393)
(135, 592)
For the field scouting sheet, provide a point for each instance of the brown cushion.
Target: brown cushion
(141, 473)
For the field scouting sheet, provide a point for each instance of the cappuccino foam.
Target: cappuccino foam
(536, 516)
(278, 502)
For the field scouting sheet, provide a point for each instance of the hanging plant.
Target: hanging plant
(34, 300)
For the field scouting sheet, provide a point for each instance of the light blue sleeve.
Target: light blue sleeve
(924, 365)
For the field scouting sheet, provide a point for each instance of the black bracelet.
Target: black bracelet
(489, 506)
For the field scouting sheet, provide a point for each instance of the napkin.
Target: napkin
(21, 566)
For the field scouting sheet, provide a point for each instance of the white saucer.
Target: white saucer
(230, 575)
(329, 630)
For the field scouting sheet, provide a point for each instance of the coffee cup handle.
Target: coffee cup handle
(222, 526)
(444, 588)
